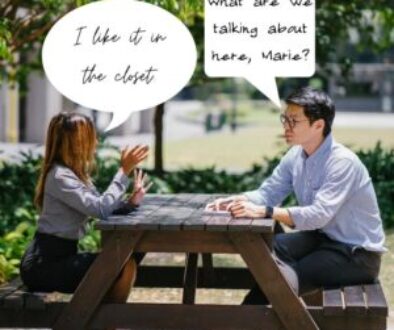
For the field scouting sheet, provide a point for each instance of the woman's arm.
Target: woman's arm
(65, 186)
(71, 190)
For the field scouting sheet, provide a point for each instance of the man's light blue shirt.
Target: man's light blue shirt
(334, 192)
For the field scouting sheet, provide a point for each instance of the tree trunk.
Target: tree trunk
(158, 124)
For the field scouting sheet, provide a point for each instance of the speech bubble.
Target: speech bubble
(119, 56)
(260, 40)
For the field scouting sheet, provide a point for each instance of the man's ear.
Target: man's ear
(319, 124)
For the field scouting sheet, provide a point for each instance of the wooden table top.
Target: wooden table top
(182, 212)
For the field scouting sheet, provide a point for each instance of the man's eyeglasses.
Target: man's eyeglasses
(290, 121)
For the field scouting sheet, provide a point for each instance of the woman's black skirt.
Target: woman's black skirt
(52, 264)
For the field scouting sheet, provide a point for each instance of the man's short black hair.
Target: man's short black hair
(317, 105)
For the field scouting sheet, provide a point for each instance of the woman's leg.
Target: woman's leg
(120, 290)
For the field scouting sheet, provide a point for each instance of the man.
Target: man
(340, 237)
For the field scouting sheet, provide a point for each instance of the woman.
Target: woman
(66, 198)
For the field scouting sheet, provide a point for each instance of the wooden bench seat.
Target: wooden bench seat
(14, 295)
(361, 305)
(20, 308)
(353, 307)
(362, 299)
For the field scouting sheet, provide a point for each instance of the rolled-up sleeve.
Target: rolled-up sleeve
(334, 191)
(68, 188)
(278, 186)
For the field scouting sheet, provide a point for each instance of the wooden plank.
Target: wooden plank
(8, 288)
(157, 199)
(14, 301)
(193, 317)
(28, 318)
(263, 225)
(239, 224)
(190, 279)
(259, 259)
(138, 220)
(168, 214)
(217, 222)
(208, 317)
(145, 218)
(110, 224)
(12, 295)
(35, 301)
(165, 213)
(376, 300)
(179, 214)
(207, 266)
(333, 303)
(354, 300)
(173, 277)
(200, 219)
(98, 280)
(196, 220)
(185, 241)
(171, 316)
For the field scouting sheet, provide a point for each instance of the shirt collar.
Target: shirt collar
(323, 149)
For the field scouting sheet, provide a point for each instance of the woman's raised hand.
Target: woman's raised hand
(140, 187)
(131, 157)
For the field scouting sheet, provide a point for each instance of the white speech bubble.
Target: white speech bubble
(119, 56)
(260, 40)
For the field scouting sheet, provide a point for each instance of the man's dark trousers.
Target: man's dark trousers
(311, 260)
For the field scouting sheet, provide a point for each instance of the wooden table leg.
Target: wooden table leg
(190, 279)
(101, 275)
(207, 268)
(289, 308)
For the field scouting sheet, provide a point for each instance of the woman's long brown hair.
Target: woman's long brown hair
(70, 141)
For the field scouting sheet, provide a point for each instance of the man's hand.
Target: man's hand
(245, 209)
(223, 204)
(140, 187)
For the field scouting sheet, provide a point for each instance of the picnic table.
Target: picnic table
(177, 223)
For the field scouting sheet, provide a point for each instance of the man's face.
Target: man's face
(297, 128)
